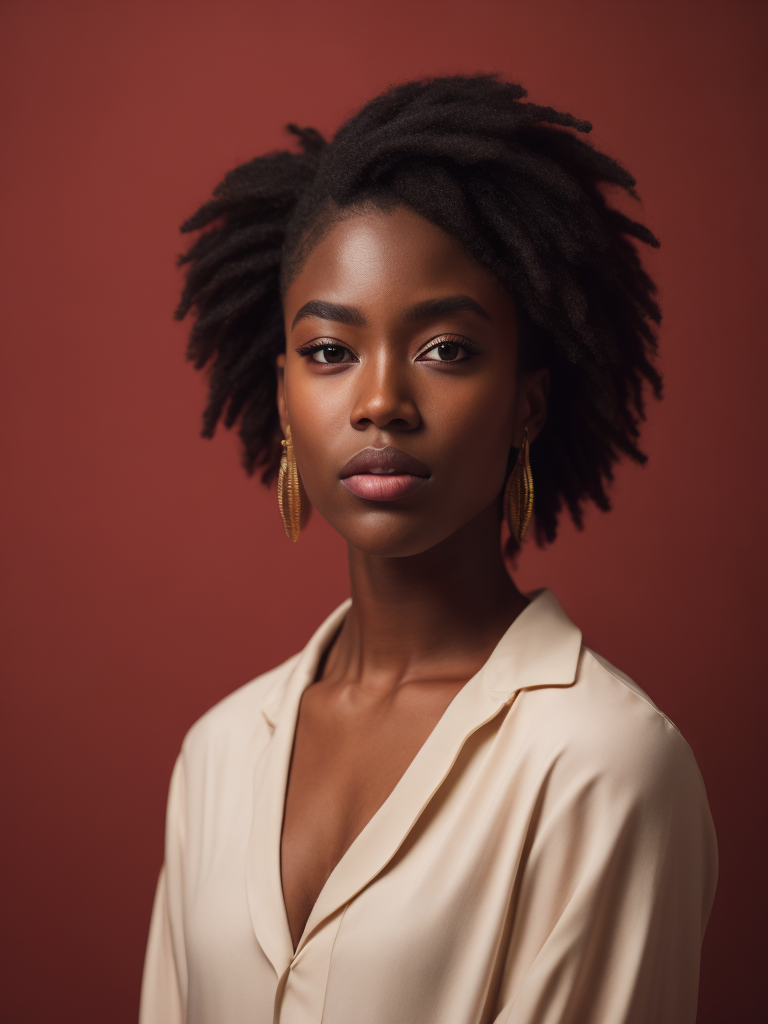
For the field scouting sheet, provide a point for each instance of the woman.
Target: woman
(445, 809)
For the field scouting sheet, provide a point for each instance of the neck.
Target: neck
(435, 614)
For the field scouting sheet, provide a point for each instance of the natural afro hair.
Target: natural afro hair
(524, 196)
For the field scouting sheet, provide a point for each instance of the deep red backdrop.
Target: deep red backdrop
(147, 577)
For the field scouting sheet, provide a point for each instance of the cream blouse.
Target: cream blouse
(547, 858)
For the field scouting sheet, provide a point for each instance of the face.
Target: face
(400, 383)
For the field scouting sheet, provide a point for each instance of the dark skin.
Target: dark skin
(431, 596)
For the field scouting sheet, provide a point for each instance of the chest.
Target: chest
(346, 761)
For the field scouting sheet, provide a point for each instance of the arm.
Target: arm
(616, 891)
(164, 984)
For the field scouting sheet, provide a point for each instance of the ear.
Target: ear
(282, 410)
(533, 394)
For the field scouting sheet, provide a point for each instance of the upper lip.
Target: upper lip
(384, 460)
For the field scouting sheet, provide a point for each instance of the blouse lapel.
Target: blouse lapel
(541, 648)
(263, 876)
(381, 838)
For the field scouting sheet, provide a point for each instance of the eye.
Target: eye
(328, 354)
(445, 351)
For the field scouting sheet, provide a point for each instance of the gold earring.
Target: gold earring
(288, 497)
(518, 494)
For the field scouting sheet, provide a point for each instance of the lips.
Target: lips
(383, 474)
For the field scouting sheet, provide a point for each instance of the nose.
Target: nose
(384, 398)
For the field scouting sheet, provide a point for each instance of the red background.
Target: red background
(147, 576)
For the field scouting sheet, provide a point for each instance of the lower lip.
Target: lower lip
(381, 487)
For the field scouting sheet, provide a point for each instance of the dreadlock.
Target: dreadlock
(524, 196)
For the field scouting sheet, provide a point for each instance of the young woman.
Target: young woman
(445, 810)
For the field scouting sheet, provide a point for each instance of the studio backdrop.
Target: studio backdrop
(145, 576)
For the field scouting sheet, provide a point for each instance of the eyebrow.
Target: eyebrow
(430, 309)
(348, 315)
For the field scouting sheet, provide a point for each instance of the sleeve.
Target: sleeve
(164, 982)
(615, 894)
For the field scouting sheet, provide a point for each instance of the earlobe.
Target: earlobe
(534, 404)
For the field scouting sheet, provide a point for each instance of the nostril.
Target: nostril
(385, 412)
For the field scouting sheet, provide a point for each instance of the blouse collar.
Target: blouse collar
(540, 648)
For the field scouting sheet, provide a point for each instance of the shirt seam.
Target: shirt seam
(604, 663)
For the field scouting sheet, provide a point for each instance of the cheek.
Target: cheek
(473, 421)
(318, 411)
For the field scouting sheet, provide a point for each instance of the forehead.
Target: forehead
(388, 260)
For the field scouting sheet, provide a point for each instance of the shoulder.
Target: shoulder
(232, 732)
(236, 720)
(604, 730)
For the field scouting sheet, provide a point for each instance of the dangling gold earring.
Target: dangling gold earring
(288, 496)
(518, 494)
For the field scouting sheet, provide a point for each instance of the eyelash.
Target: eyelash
(468, 347)
(452, 339)
(308, 350)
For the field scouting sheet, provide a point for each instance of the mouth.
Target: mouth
(383, 474)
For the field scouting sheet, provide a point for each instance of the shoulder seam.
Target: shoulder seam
(620, 677)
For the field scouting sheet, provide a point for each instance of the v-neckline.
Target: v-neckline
(296, 722)
(476, 703)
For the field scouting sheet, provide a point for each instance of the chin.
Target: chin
(391, 535)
